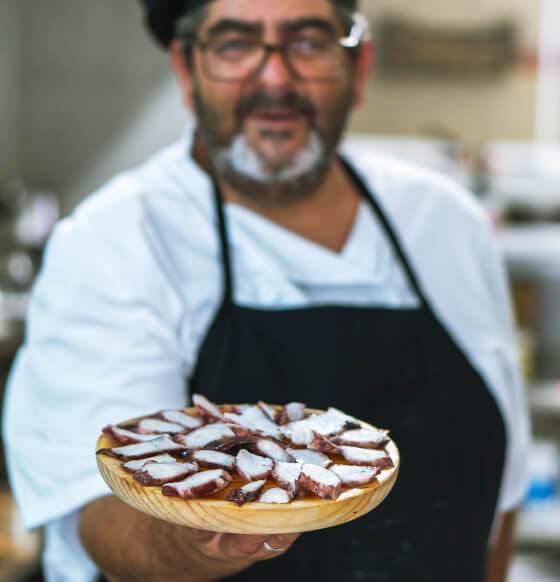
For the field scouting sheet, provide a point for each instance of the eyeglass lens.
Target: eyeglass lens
(236, 59)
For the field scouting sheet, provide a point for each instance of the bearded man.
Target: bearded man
(259, 259)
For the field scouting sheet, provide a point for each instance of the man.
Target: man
(256, 260)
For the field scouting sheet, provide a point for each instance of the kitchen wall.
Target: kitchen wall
(502, 108)
(10, 95)
(98, 95)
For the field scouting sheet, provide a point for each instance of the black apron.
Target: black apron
(394, 368)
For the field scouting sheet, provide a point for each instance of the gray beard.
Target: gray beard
(244, 169)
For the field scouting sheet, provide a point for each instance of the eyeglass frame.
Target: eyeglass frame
(357, 34)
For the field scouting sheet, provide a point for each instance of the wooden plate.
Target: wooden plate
(215, 514)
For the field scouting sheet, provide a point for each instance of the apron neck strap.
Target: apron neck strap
(369, 197)
(387, 227)
(224, 244)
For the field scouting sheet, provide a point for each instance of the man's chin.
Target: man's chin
(277, 179)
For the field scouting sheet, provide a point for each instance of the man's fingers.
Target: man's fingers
(201, 536)
(252, 547)
(238, 547)
(243, 546)
(279, 542)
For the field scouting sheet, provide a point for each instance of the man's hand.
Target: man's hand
(128, 545)
(499, 551)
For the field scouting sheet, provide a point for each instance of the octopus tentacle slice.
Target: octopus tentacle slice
(247, 493)
(203, 436)
(271, 449)
(212, 459)
(291, 412)
(252, 467)
(207, 411)
(276, 495)
(320, 481)
(309, 456)
(162, 444)
(327, 423)
(323, 444)
(354, 476)
(154, 473)
(252, 421)
(179, 417)
(270, 412)
(367, 457)
(286, 476)
(126, 436)
(231, 445)
(367, 439)
(133, 466)
(198, 485)
(155, 426)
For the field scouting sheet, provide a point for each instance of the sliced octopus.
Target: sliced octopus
(211, 459)
(309, 456)
(126, 436)
(367, 457)
(133, 466)
(270, 411)
(179, 417)
(323, 444)
(319, 481)
(232, 445)
(291, 412)
(207, 411)
(162, 444)
(170, 447)
(276, 495)
(368, 439)
(150, 426)
(205, 435)
(271, 449)
(198, 485)
(252, 467)
(354, 476)
(247, 493)
(286, 476)
(328, 423)
(154, 473)
(252, 421)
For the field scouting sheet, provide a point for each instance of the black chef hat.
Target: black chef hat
(162, 16)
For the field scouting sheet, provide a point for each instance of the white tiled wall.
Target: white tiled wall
(10, 86)
(98, 95)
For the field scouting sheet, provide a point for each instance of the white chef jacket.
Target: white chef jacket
(131, 283)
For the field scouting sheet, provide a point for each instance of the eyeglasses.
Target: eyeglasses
(309, 56)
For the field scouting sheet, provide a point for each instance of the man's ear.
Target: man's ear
(183, 72)
(362, 69)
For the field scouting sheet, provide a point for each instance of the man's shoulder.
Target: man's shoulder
(405, 188)
(167, 178)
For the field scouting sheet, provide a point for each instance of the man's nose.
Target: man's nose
(276, 72)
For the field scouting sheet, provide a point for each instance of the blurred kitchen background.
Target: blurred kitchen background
(471, 89)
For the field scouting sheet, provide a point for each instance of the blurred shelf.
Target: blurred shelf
(531, 250)
(535, 566)
(14, 571)
(20, 550)
(544, 398)
(539, 527)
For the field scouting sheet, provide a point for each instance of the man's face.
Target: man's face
(272, 129)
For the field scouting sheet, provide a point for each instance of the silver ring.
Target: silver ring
(271, 549)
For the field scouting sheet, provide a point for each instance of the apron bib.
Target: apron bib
(397, 369)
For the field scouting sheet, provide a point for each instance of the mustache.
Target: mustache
(262, 100)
